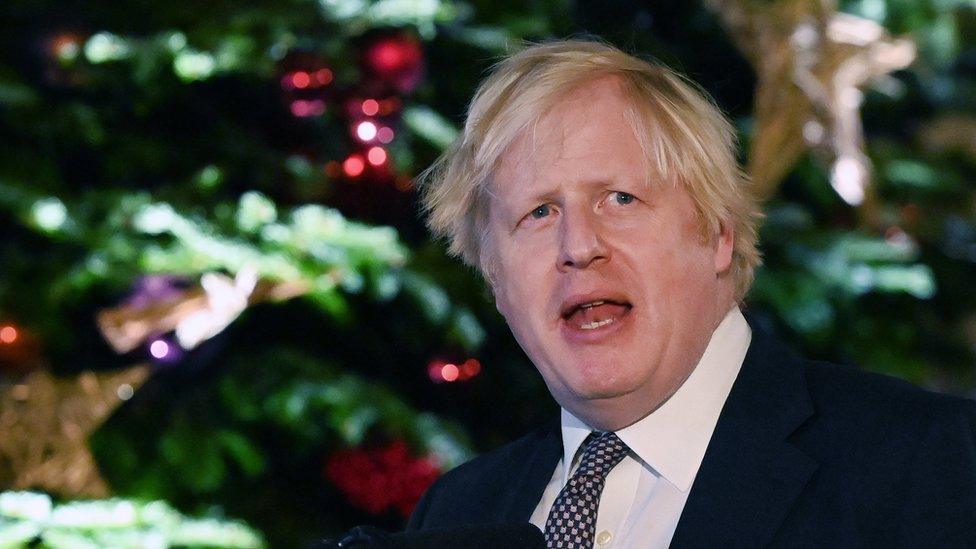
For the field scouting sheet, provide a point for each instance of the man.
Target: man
(600, 197)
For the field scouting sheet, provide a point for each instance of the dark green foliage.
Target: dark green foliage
(163, 145)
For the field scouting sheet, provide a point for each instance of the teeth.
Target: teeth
(596, 324)
(591, 304)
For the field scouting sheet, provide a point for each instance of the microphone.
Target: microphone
(472, 536)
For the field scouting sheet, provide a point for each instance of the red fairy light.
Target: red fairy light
(8, 334)
(323, 77)
(371, 107)
(470, 368)
(441, 371)
(449, 372)
(434, 371)
(376, 156)
(301, 79)
(354, 165)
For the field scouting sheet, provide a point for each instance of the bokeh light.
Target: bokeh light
(376, 156)
(470, 368)
(159, 349)
(125, 391)
(8, 334)
(300, 79)
(303, 108)
(366, 131)
(354, 165)
(323, 77)
(441, 371)
(449, 372)
(371, 107)
(384, 135)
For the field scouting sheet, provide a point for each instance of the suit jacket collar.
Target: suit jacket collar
(751, 475)
(529, 479)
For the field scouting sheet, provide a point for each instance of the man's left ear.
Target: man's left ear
(724, 246)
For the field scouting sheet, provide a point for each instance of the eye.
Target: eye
(622, 198)
(542, 211)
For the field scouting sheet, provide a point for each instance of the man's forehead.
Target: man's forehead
(587, 130)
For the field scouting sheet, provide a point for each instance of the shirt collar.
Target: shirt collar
(672, 439)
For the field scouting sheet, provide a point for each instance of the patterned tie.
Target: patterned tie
(572, 520)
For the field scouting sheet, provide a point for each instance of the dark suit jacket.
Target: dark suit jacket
(805, 454)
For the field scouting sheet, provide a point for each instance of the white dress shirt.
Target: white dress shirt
(644, 495)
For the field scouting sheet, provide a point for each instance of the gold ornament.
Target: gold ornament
(811, 63)
(45, 422)
(126, 327)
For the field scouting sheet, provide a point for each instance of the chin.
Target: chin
(601, 387)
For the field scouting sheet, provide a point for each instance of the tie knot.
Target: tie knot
(603, 452)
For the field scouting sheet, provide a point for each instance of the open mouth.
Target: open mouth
(595, 314)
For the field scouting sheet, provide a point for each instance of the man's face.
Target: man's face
(600, 268)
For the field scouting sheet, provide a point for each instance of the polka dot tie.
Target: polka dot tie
(572, 520)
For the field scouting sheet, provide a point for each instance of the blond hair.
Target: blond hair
(681, 131)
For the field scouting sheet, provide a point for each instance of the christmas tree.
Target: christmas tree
(216, 291)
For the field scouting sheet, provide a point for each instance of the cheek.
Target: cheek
(667, 264)
(523, 261)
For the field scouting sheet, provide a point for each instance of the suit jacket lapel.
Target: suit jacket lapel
(530, 478)
(750, 475)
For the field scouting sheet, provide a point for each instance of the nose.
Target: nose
(581, 242)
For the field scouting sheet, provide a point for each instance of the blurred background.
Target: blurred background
(223, 324)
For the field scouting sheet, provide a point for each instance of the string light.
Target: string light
(323, 77)
(384, 135)
(303, 108)
(376, 156)
(65, 46)
(371, 107)
(449, 372)
(300, 80)
(159, 349)
(435, 370)
(165, 351)
(366, 131)
(470, 368)
(440, 371)
(125, 391)
(8, 334)
(354, 165)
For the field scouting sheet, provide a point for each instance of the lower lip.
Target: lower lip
(575, 334)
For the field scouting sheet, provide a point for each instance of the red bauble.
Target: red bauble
(382, 479)
(396, 61)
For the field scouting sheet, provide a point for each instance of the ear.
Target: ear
(724, 246)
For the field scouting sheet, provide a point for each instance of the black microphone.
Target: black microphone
(473, 536)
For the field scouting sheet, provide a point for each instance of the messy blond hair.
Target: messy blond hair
(682, 133)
